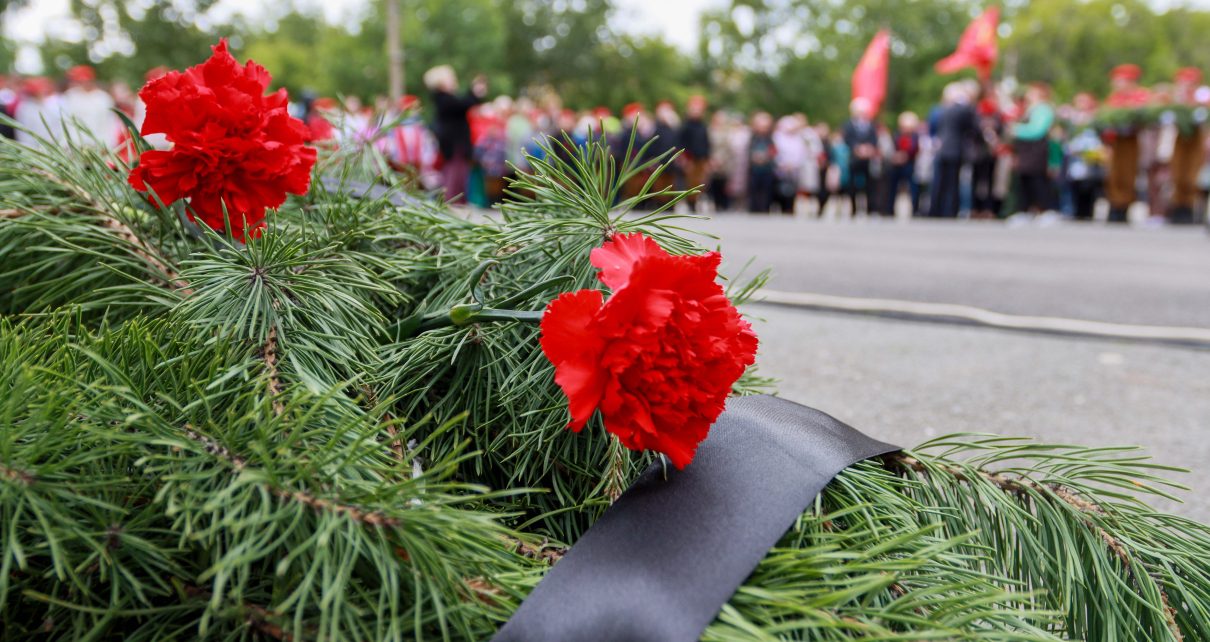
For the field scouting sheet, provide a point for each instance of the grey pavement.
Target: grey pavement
(908, 381)
(1115, 274)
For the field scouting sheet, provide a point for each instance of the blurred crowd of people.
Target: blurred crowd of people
(982, 152)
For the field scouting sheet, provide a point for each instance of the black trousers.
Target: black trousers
(761, 182)
(897, 176)
(983, 177)
(861, 182)
(718, 193)
(1084, 196)
(823, 193)
(1033, 192)
(945, 188)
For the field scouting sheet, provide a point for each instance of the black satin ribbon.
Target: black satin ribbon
(662, 561)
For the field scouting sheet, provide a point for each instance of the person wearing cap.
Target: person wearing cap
(637, 125)
(663, 146)
(88, 109)
(694, 139)
(604, 123)
(1187, 154)
(634, 123)
(39, 112)
(1123, 142)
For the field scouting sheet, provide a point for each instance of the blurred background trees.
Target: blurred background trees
(780, 55)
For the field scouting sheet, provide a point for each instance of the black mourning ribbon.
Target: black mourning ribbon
(662, 561)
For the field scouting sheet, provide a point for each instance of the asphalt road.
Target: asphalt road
(908, 381)
(1142, 276)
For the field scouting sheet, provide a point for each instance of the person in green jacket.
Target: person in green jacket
(1031, 143)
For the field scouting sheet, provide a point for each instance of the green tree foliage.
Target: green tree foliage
(1092, 37)
(798, 55)
(780, 55)
(126, 39)
(7, 50)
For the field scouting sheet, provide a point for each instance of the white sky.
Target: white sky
(675, 19)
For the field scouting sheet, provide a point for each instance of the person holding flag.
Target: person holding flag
(956, 125)
(870, 76)
(959, 125)
(860, 133)
(861, 137)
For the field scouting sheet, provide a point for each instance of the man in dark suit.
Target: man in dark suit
(694, 139)
(861, 137)
(956, 127)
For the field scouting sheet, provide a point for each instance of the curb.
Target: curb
(970, 315)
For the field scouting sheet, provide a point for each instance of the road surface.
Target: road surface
(909, 380)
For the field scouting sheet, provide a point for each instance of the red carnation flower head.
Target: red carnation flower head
(659, 357)
(233, 145)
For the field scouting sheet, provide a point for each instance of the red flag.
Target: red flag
(977, 48)
(869, 78)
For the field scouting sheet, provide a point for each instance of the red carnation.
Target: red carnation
(232, 144)
(659, 357)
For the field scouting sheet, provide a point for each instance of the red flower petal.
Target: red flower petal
(618, 256)
(657, 359)
(233, 146)
(570, 342)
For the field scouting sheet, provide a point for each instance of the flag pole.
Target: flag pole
(394, 51)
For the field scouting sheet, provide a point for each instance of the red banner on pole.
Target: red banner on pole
(869, 78)
(977, 48)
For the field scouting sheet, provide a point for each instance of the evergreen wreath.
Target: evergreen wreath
(207, 439)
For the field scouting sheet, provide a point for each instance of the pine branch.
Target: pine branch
(123, 231)
(1021, 487)
(15, 475)
(268, 353)
(396, 445)
(541, 552)
(149, 254)
(615, 477)
(258, 617)
(1079, 503)
(360, 514)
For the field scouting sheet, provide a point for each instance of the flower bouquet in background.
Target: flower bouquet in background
(244, 395)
